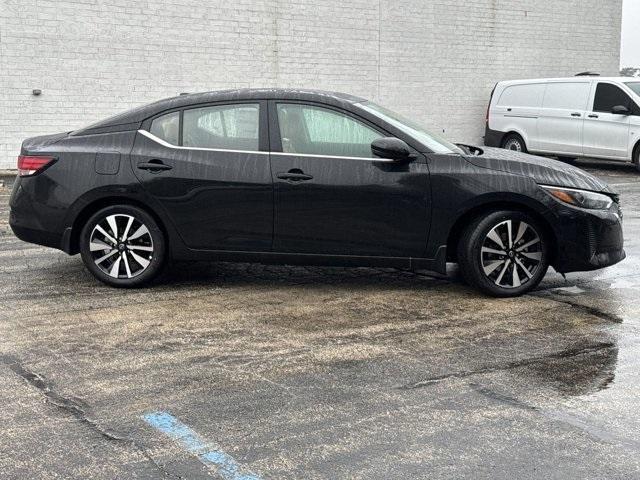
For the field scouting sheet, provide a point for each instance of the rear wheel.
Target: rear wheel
(514, 142)
(636, 157)
(122, 246)
(503, 253)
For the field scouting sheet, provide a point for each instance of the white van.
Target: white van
(582, 116)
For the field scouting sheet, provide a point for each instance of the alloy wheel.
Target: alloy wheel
(121, 246)
(511, 254)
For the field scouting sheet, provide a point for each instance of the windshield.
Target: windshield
(433, 142)
(635, 86)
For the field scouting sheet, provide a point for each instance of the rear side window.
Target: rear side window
(311, 130)
(609, 96)
(167, 127)
(567, 96)
(522, 96)
(226, 127)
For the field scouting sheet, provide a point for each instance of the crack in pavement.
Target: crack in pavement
(567, 353)
(608, 317)
(76, 408)
(598, 433)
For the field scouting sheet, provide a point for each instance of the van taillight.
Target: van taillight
(30, 164)
(489, 106)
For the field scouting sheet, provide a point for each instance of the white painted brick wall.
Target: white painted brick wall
(435, 60)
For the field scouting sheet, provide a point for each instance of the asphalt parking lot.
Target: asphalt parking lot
(241, 371)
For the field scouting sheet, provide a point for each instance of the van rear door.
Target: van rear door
(561, 119)
(516, 109)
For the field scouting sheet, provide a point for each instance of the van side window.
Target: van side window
(609, 96)
(522, 96)
(567, 95)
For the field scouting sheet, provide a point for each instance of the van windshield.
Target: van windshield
(635, 86)
(433, 142)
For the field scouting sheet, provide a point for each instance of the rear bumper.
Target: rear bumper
(39, 237)
(33, 221)
(493, 138)
(590, 240)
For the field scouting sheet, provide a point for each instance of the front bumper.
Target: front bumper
(588, 239)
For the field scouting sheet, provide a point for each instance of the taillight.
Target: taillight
(489, 106)
(30, 164)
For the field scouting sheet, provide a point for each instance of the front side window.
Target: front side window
(225, 127)
(311, 130)
(609, 96)
(167, 127)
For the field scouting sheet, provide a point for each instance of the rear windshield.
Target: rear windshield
(635, 86)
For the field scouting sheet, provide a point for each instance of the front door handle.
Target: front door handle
(294, 176)
(594, 116)
(154, 166)
(576, 114)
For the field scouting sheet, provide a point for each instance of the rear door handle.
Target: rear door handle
(594, 116)
(294, 176)
(154, 166)
(576, 114)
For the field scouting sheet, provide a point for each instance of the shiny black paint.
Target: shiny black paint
(233, 206)
(349, 206)
(352, 207)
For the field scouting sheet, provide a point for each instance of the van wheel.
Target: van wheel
(123, 246)
(636, 158)
(503, 253)
(514, 142)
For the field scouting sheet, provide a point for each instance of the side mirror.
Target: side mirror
(391, 148)
(620, 110)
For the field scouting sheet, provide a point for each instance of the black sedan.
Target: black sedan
(305, 177)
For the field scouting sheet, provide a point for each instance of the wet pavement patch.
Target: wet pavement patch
(318, 373)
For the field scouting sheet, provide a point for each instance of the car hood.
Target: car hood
(543, 170)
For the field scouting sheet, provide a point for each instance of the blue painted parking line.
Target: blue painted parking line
(224, 464)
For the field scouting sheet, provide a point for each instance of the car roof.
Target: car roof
(584, 79)
(130, 118)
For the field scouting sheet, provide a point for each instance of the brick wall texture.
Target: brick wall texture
(434, 60)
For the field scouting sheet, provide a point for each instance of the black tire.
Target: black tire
(636, 157)
(123, 262)
(474, 262)
(514, 142)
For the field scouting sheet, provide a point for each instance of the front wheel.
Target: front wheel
(503, 253)
(636, 157)
(122, 246)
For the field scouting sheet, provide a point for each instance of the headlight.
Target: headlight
(580, 198)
